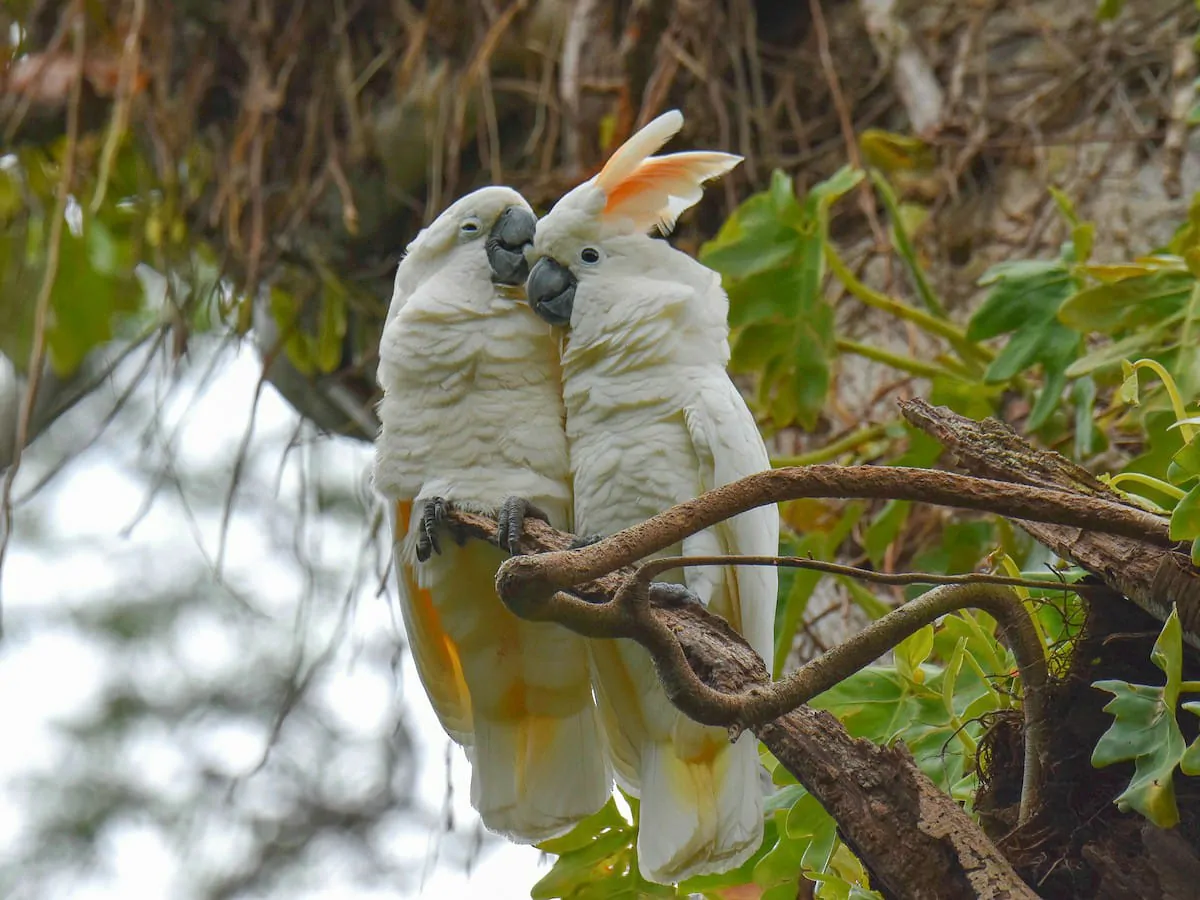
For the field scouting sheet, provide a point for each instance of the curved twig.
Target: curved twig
(41, 313)
(855, 780)
(545, 573)
(665, 563)
(629, 615)
(765, 702)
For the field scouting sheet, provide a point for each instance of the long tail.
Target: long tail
(699, 815)
(537, 778)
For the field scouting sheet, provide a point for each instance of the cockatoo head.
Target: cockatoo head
(488, 229)
(598, 232)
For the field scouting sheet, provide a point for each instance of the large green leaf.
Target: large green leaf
(597, 859)
(770, 253)
(1128, 303)
(1145, 732)
(94, 285)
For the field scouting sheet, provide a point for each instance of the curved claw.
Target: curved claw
(585, 541)
(510, 522)
(433, 519)
(665, 593)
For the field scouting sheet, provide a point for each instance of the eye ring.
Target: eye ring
(590, 256)
(470, 226)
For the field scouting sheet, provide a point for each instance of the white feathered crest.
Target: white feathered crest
(652, 191)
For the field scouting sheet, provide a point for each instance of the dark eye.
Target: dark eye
(469, 226)
(589, 256)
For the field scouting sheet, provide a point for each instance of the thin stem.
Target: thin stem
(654, 567)
(957, 337)
(1148, 481)
(833, 450)
(895, 360)
(1177, 405)
(37, 351)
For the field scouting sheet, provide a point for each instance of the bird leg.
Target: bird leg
(510, 522)
(435, 517)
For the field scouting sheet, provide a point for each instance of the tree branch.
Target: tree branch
(760, 704)
(1155, 580)
(534, 576)
(914, 839)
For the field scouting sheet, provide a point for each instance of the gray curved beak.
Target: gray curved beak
(551, 291)
(506, 245)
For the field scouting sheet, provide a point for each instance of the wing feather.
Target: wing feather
(437, 657)
(728, 447)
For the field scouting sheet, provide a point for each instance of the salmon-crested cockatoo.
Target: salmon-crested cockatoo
(472, 414)
(652, 420)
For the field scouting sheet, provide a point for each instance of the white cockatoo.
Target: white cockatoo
(652, 420)
(471, 414)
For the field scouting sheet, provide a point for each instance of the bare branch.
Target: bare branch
(543, 574)
(42, 305)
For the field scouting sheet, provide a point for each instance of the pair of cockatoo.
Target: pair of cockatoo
(615, 411)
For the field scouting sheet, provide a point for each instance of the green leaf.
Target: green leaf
(770, 254)
(819, 852)
(1128, 303)
(953, 667)
(581, 868)
(1083, 234)
(752, 240)
(784, 798)
(604, 819)
(1128, 392)
(864, 599)
(1185, 465)
(910, 654)
(1087, 437)
(805, 818)
(904, 246)
(884, 529)
(1024, 300)
(1019, 289)
(1109, 9)
(1109, 355)
(1189, 763)
(331, 324)
(93, 287)
(1185, 518)
(782, 862)
(773, 294)
(890, 152)
(1145, 731)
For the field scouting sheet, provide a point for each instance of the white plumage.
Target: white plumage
(472, 413)
(652, 420)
